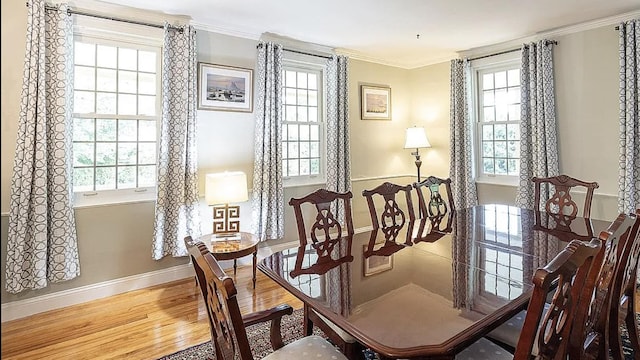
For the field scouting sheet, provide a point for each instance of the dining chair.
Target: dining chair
(325, 233)
(560, 200)
(624, 297)
(392, 218)
(546, 329)
(227, 324)
(436, 206)
(598, 286)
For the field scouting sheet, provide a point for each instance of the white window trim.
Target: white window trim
(301, 62)
(489, 63)
(107, 32)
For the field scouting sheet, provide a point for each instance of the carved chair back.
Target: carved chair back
(436, 205)
(392, 219)
(590, 338)
(219, 293)
(560, 200)
(624, 296)
(569, 269)
(326, 230)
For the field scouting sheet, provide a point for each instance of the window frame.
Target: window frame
(505, 62)
(297, 62)
(104, 32)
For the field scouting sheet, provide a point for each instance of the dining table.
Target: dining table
(436, 286)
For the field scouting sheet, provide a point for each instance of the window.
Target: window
(303, 125)
(116, 113)
(498, 122)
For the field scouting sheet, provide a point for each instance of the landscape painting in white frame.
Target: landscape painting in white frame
(225, 88)
(375, 102)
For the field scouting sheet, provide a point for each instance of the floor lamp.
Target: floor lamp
(416, 138)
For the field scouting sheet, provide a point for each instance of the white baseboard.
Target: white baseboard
(22, 308)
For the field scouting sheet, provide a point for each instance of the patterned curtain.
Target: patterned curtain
(42, 245)
(177, 206)
(338, 158)
(464, 186)
(629, 180)
(268, 194)
(538, 131)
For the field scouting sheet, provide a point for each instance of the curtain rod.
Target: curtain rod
(82, 13)
(509, 51)
(301, 52)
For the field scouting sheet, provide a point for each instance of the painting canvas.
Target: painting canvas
(225, 88)
(375, 102)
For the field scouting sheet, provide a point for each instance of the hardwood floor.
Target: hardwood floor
(142, 324)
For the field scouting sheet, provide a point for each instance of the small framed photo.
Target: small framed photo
(375, 102)
(225, 88)
(376, 264)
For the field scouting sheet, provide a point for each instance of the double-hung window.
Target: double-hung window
(303, 129)
(116, 115)
(497, 121)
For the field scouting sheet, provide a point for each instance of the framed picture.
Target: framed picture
(376, 264)
(225, 88)
(375, 102)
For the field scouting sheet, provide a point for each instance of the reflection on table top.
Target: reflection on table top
(219, 244)
(442, 282)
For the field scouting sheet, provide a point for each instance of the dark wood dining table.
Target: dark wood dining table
(435, 287)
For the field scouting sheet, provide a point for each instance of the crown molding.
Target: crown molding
(126, 12)
(225, 30)
(566, 30)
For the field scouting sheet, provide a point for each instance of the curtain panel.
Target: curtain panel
(42, 243)
(338, 156)
(177, 212)
(461, 135)
(268, 192)
(538, 129)
(629, 178)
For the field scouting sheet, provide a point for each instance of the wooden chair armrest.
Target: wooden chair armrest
(274, 314)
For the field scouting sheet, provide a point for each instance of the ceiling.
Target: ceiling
(403, 33)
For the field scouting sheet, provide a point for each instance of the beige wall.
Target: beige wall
(115, 241)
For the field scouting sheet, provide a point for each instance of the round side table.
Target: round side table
(233, 248)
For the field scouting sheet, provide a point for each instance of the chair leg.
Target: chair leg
(307, 326)
(354, 351)
(632, 327)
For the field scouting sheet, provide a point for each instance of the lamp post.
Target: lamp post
(416, 138)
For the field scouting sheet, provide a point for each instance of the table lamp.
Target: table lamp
(221, 189)
(416, 138)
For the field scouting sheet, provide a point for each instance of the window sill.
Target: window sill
(297, 184)
(509, 183)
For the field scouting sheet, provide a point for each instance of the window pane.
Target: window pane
(147, 84)
(147, 130)
(513, 77)
(292, 166)
(127, 153)
(127, 81)
(487, 81)
(105, 103)
(304, 150)
(147, 153)
(84, 78)
(106, 129)
(284, 132)
(500, 132)
(487, 132)
(126, 104)
(513, 95)
(127, 130)
(126, 177)
(488, 98)
(487, 165)
(514, 166)
(313, 114)
(513, 131)
(106, 154)
(514, 149)
(304, 132)
(293, 150)
(315, 132)
(83, 129)
(500, 79)
(313, 81)
(487, 148)
(302, 114)
(290, 78)
(106, 178)
(290, 114)
(127, 59)
(106, 80)
(107, 56)
(514, 112)
(302, 80)
(146, 105)
(500, 149)
(293, 132)
(313, 98)
(284, 150)
(304, 166)
(501, 112)
(147, 175)
(290, 96)
(83, 179)
(83, 102)
(501, 166)
(83, 154)
(147, 61)
(314, 166)
(501, 97)
(84, 54)
(302, 97)
(489, 113)
(314, 149)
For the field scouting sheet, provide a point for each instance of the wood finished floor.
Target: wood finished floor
(141, 324)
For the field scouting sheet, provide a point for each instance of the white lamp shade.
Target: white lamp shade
(225, 188)
(416, 138)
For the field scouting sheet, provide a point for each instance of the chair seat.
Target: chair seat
(509, 332)
(309, 347)
(484, 349)
(343, 334)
